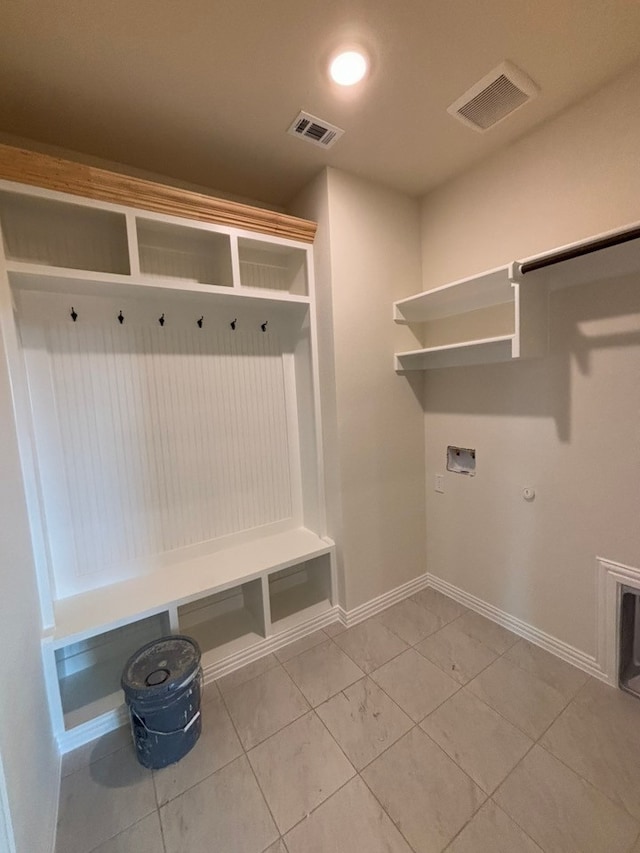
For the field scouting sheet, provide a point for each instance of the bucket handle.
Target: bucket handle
(165, 734)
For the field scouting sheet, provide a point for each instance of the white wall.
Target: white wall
(29, 755)
(367, 255)
(568, 424)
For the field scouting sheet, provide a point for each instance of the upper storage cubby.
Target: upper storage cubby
(184, 252)
(272, 266)
(43, 231)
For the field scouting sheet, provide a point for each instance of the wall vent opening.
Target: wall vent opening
(315, 130)
(492, 99)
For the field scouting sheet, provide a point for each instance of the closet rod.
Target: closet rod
(584, 249)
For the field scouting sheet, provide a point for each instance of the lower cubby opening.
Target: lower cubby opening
(300, 592)
(89, 671)
(225, 622)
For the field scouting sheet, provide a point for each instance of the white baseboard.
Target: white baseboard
(581, 660)
(349, 618)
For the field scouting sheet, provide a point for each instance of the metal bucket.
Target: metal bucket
(162, 684)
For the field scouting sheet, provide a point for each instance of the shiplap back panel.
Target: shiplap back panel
(161, 439)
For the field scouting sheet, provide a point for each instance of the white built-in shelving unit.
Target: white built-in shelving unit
(507, 307)
(165, 387)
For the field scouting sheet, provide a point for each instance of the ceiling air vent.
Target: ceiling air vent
(315, 130)
(493, 98)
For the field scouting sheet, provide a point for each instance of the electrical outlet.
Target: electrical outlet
(439, 483)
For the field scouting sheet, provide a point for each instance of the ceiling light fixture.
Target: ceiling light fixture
(348, 67)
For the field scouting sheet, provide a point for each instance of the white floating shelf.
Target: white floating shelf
(484, 351)
(459, 297)
(85, 615)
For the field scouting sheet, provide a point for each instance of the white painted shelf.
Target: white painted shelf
(468, 294)
(525, 286)
(85, 615)
(484, 351)
(36, 277)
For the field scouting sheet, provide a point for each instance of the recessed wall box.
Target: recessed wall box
(461, 460)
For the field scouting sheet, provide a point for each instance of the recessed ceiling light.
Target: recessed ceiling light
(348, 68)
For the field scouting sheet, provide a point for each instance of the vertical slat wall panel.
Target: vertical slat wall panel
(170, 438)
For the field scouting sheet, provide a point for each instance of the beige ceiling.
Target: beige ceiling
(204, 90)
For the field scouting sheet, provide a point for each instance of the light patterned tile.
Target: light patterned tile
(101, 799)
(606, 755)
(526, 701)
(278, 847)
(443, 606)
(302, 645)
(614, 707)
(478, 739)
(226, 811)
(409, 621)
(246, 673)
(489, 633)
(492, 831)
(262, 706)
(562, 812)
(210, 692)
(218, 745)
(415, 684)
(350, 820)
(456, 653)
(334, 629)
(143, 837)
(96, 749)
(370, 644)
(364, 721)
(298, 768)
(322, 671)
(423, 791)
(566, 679)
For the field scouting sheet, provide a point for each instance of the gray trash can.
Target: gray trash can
(162, 684)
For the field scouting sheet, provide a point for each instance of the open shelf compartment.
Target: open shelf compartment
(180, 252)
(272, 266)
(58, 234)
(89, 671)
(225, 622)
(300, 592)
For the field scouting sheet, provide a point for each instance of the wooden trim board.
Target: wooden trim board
(54, 173)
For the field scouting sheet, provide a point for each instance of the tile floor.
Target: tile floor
(426, 728)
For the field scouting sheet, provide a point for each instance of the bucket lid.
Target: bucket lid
(160, 668)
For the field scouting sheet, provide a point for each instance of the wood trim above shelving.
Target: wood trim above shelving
(54, 173)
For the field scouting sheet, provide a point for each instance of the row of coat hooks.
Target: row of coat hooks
(199, 322)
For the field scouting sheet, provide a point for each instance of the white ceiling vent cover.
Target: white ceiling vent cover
(493, 98)
(315, 130)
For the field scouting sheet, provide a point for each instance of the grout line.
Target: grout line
(246, 757)
(164, 843)
(319, 806)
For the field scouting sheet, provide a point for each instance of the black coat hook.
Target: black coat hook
(200, 321)
(74, 314)
(121, 318)
(234, 323)
(161, 320)
(263, 326)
